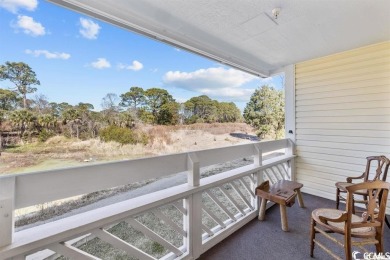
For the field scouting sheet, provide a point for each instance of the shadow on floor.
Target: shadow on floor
(265, 240)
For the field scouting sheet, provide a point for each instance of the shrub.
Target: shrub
(122, 135)
(44, 135)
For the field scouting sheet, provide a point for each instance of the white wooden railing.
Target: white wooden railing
(207, 209)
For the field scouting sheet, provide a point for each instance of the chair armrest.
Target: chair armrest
(342, 218)
(349, 179)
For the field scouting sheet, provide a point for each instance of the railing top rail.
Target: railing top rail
(31, 188)
(68, 228)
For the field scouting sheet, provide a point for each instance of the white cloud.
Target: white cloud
(101, 63)
(30, 26)
(214, 82)
(89, 29)
(48, 54)
(135, 65)
(14, 5)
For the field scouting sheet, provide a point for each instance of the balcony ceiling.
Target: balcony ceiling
(244, 34)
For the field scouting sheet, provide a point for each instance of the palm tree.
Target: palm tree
(23, 120)
(47, 121)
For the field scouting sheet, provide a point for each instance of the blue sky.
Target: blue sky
(81, 59)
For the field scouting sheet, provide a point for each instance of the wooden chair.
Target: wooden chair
(382, 168)
(366, 229)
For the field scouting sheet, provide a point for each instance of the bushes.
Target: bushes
(44, 135)
(122, 135)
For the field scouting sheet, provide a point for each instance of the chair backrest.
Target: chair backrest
(376, 207)
(381, 170)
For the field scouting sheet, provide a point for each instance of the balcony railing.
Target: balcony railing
(197, 214)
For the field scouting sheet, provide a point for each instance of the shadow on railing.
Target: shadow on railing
(180, 222)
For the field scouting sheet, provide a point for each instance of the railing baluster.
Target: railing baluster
(230, 198)
(253, 181)
(283, 170)
(169, 222)
(180, 207)
(286, 167)
(208, 231)
(71, 252)
(214, 217)
(241, 195)
(153, 236)
(268, 176)
(221, 206)
(242, 181)
(277, 174)
(123, 245)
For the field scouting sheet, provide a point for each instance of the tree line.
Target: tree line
(38, 117)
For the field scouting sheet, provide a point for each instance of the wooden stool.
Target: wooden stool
(283, 193)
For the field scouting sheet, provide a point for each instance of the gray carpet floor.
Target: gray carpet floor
(265, 240)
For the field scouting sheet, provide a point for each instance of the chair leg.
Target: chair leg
(379, 238)
(262, 209)
(283, 217)
(312, 237)
(337, 198)
(347, 246)
(300, 199)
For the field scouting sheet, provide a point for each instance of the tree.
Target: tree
(22, 76)
(8, 99)
(110, 112)
(155, 98)
(134, 98)
(228, 112)
(40, 104)
(169, 114)
(2, 119)
(202, 109)
(59, 109)
(72, 118)
(265, 110)
(126, 120)
(84, 106)
(86, 122)
(47, 122)
(22, 119)
(110, 101)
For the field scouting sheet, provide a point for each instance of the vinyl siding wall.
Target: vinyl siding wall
(342, 105)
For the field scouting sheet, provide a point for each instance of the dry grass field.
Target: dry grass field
(59, 151)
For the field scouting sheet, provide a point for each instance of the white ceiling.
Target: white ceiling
(243, 33)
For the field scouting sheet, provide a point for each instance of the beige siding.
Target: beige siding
(342, 115)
